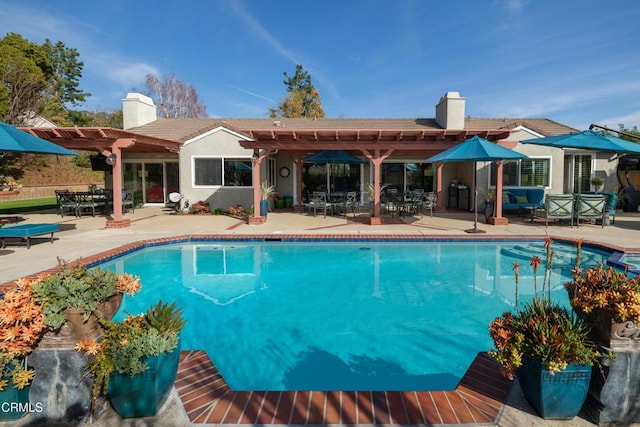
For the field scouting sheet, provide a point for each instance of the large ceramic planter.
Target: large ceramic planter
(14, 403)
(554, 396)
(264, 207)
(76, 328)
(143, 395)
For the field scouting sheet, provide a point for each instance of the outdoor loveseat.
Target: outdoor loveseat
(515, 199)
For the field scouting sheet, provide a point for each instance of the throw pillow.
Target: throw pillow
(506, 197)
(521, 199)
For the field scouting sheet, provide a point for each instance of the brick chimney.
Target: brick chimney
(137, 110)
(450, 111)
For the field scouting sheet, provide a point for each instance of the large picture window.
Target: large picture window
(524, 173)
(228, 172)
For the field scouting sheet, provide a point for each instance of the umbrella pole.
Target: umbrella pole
(475, 228)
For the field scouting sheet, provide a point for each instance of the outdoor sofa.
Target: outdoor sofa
(515, 199)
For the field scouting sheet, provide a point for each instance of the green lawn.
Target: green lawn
(22, 206)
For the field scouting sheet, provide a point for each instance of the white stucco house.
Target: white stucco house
(220, 160)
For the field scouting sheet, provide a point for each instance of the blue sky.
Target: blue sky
(576, 62)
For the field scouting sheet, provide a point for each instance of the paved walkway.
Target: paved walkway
(82, 237)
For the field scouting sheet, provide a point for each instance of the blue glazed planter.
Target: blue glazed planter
(264, 207)
(142, 395)
(14, 403)
(559, 396)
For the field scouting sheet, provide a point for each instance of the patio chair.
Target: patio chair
(610, 206)
(127, 201)
(319, 201)
(351, 203)
(66, 201)
(590, 206)
(394, 201)
(559, 206)
(429, 201)
(87, 203)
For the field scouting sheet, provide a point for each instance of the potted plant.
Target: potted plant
(279, 201)
(21, 327)
(488, 196)
(74, 297)
(547, 348)
(266, 191)
(8, 185)
(597, 182)
(608, 300)
(136, 360)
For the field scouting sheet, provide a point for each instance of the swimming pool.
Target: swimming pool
(339, 316)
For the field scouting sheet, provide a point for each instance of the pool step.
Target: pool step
(564, 256)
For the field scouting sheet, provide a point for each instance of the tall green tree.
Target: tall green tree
(38, 79)
(302, 100)
(64, 80)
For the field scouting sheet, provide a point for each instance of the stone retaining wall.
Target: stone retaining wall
(42, 192)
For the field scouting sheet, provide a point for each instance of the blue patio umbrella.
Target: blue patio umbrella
(333, 156)
(475, 149)
(587, 140)
(16, 140)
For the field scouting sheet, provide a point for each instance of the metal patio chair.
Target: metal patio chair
(559, 206)
(590, 206)
(319, 201)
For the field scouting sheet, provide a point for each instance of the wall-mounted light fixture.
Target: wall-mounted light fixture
(254, 159)
(111, 160)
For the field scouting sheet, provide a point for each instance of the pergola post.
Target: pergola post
(377, 160)
(256, 161)
(116, 150)
(497, 218)
(439, 192)
(298, 177)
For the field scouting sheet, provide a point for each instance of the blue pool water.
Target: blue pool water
(339, 316)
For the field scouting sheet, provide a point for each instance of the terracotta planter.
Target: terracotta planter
(76, 328)
(8, 192)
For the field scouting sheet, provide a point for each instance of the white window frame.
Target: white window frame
(519, 162)
(222, 159)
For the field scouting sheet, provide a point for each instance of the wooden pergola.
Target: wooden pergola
(109, 142)
(374, 144)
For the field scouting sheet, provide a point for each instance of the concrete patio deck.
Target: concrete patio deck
(82, 237)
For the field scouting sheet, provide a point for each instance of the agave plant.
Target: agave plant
(77, 287)
(125, 345)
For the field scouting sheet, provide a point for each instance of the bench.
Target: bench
(25, 232)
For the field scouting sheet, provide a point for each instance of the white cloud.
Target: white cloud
(511, 5)
(130, 74)
(256, 27)
(121, 70)
(252, 93)
(628, 120)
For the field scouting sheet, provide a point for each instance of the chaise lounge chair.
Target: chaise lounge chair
(25, 232)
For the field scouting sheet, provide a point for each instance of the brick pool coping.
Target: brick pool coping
(206, 398)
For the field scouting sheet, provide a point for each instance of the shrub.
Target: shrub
(199, 208)
(237, 210)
